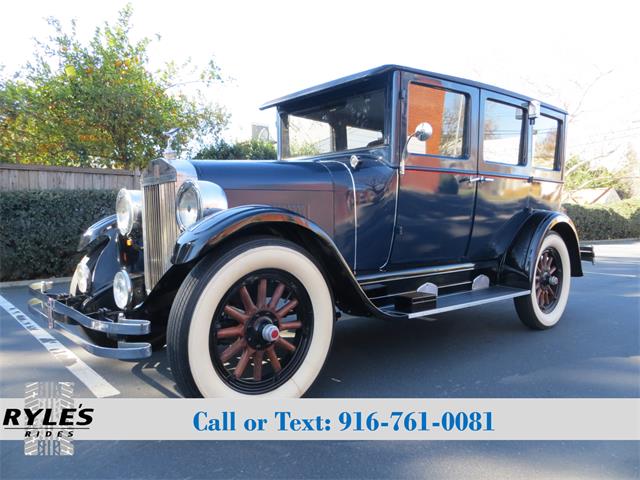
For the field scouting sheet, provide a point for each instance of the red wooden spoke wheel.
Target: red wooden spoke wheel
(261, 331)
(548, 279)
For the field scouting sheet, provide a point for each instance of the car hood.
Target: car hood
(303, 187)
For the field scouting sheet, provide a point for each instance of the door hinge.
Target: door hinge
(399, 230)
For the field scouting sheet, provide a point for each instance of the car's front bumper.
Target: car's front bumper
(53, 308)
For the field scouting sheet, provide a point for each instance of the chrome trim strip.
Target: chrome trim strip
(395, 222)
(355, 211)
(413, 273)
(472, 303)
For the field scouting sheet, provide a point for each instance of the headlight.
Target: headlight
(122, 289)
(188, 205)
(128, 210)
(196, 200)
(83, 277)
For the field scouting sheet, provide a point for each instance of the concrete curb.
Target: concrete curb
(22, 283)
(619, 241)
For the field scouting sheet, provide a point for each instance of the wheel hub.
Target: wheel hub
(261, 330)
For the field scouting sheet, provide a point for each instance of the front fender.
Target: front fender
(100, 244)
(518, 263)
(105, 255)
(234, 223)
(200, 239)
(100, 230)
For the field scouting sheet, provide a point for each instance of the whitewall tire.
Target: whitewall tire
(550, 285)
(255, 320)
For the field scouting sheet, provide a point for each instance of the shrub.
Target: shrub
(616, 220)
(247, 150)
(40, 229)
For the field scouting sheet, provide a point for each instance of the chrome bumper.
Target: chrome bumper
(52, 308)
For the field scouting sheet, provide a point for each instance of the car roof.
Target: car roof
(308, 92)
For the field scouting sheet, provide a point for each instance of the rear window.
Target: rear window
(545, 142)
(504, 129)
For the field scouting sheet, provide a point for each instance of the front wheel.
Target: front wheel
(257, 321)
(544, 306)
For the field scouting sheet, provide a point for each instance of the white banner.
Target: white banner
(328, 419)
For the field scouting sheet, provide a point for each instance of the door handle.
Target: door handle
(471, 179)
(477, 179)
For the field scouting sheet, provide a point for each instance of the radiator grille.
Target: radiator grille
(159, 229)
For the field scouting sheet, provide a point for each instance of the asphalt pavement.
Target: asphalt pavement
(481, 352)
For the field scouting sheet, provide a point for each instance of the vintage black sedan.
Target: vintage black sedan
(397, 193)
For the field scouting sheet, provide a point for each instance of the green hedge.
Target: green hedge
(616, 220)
(40, 229)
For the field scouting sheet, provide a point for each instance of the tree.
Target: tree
(248, 150)
(580, 174)
(98, 104)
(630, 175)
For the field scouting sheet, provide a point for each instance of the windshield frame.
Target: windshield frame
(332, 95)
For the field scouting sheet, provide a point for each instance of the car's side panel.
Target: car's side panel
(365, 201)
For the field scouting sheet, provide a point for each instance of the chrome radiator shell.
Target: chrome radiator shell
(160, 182)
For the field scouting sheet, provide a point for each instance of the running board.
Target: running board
(457, 301)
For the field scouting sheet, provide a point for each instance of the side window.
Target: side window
(503, 133)
(309, 137)
(446, 112)
(545, 142)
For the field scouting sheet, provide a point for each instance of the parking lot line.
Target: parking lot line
(83, 372)
(624, 275)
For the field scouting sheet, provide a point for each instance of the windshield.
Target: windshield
(355, 121)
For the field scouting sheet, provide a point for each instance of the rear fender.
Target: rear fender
(518, 263)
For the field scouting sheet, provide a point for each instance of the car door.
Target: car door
(547, 159)
(504, 187)
(436, 192)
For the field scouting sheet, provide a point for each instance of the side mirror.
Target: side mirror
(423, 132)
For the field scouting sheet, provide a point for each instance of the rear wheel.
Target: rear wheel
(544, 306)
(256, 321)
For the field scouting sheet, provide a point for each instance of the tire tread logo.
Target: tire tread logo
(48, 395)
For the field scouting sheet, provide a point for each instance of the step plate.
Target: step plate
(457, 301)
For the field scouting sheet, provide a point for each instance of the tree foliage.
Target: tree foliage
(580, 173)
(98, 104)
(248, 150)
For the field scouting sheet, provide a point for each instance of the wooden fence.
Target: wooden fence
(44, 177)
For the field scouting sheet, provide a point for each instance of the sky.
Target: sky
(576, 54)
